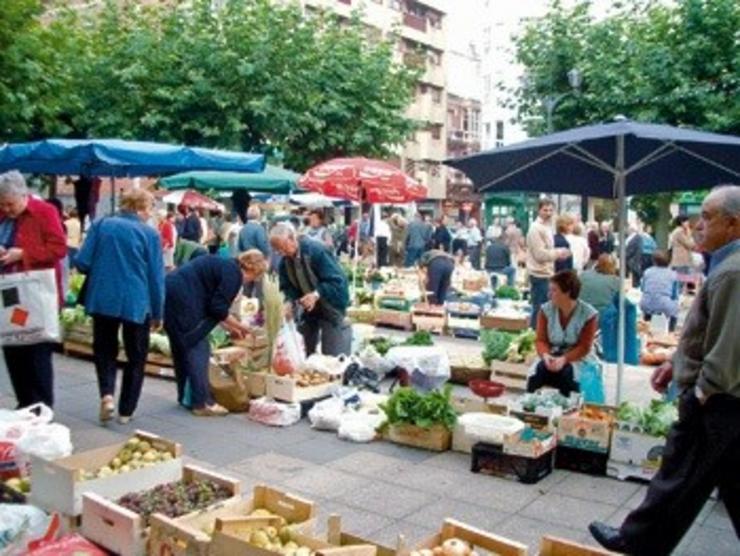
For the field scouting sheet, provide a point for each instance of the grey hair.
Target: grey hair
(282, 230)
(13, 184)
(727, 198)
(254, 212)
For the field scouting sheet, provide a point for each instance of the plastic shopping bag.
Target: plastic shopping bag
(360, 426)
(68, 545)
(29, 313)
(591, 382)
(289, 352)
(21, 526)
(51, 441)
(13, 427)
(276, 414)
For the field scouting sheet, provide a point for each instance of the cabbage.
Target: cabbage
(656, 419)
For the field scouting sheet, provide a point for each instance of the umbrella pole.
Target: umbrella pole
(112, 195)
(622, 199)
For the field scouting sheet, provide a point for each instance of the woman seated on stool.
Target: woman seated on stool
(660, 288)
(566, 327)
(439, 266)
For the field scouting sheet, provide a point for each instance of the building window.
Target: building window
(436, 132)
(488, 130)
(499, 130)
(465, 120)
(436, 95)
(422, 88)
(435, 58)
(475, 123)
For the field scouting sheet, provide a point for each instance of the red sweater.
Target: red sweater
(39, 232)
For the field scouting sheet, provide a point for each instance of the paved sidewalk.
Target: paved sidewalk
(380, 489)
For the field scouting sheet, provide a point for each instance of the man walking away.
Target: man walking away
(703, 446)
(541, 257)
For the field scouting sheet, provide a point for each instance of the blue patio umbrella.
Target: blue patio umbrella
(613, 161)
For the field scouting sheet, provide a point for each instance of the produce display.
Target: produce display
(496, 345)
(594, 413)
(19, 484)
(655, 419)
(382, 344)
(450, 547)
(311, 378)
(522, 346)
(175, 499)
(273, 302)
(419, 338)
(544, 399)
(135, 454)
(508, 292)
(74, 315)
(280, 539)
(407, 406)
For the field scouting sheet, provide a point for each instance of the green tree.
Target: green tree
(677, 64)
(253, 75)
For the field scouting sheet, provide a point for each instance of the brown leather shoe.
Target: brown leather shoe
(214, 410)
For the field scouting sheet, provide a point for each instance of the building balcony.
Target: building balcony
(467, 139)
(434, 74)
(415, 22)
(417, 29)
(425, 147)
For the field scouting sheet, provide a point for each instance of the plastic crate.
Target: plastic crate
(582, 461)
(491, 459)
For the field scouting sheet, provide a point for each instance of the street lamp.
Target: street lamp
(551, 101)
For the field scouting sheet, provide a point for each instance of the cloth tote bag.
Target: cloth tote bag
(29, 308)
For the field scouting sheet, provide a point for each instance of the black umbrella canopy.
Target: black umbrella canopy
(586, 161)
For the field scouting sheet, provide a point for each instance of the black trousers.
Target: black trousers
(381, 246)
(105, 347)
(191, 367)
(702, 452)
(563, 380)
(31, 373)
(439, 277)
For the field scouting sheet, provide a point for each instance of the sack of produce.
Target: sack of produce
(276, 414)
(289, 353)
(229, 387)
(21, 525)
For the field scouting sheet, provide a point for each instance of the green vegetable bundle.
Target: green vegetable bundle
(419, 338)
(508, 292)
(407, 406)
(74, 315)
(521, 346)
(495, 345)
(218, 338)
(656, 419)
(382, 344)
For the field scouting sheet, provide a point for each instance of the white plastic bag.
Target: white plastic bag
(429, 366)
(325, 415)
(21, 524)
(360, 426)
(371, 359)
(30, 310)
(289, 353)
(50, 442)
(14, 425)
(276, 414)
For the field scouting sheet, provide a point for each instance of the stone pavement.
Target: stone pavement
(379, 489)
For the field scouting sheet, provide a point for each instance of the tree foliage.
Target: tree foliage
(676, 64)
(251, 74)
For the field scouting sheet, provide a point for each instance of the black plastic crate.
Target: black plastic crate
(582, 461)
(491, 459)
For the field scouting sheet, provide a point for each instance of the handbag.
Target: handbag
(29, 308)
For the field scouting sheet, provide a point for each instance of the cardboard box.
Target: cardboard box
(436, 438)
(515, 446)
(465, 404)
(187, 536)
(58, 485)
(477, 538)
(286, 389)
(125, 532)
(577, 431)
(637, 449)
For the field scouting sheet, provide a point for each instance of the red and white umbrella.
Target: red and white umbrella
(362, 180)
(189, 198)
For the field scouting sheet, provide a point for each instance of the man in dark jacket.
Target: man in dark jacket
(634, 255)
(498, 261)
(191, 228)
(253, 235)
(312, 280)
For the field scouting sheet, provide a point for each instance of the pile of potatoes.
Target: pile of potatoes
(135, 454)
(311, 378)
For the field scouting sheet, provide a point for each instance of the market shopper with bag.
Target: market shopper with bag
(199, 297)
(31, 239)
(703, 447)
(311, 278)
(124, 289)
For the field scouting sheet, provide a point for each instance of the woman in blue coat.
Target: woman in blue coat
(199, 297)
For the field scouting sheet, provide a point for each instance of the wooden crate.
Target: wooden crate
(554, 546)
(58, 485)
(431, 323)
(188, 536)
(257, 384)
(511, 375)
(125, 532)
(436, 438)
(336, 537)
(397, 319)
(504, 323)
(477, 538)
(286, 389)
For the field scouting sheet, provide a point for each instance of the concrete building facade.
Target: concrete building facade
(422, 39)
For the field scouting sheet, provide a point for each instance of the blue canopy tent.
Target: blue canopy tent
(613, 161)
(119, 158)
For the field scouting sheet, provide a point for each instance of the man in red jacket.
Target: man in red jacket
(32, 238)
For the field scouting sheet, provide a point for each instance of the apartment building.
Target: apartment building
(422, 39)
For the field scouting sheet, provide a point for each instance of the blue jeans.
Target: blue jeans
(191, 368)
(413, 254)
(508, 271)
(538, 296)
